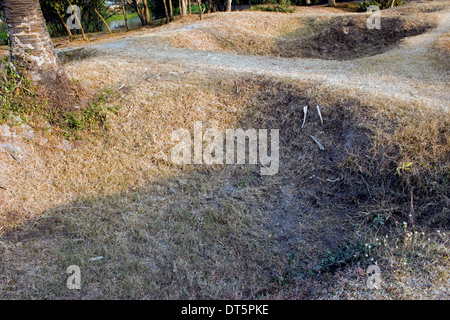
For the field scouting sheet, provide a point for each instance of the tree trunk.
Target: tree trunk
(127, 28)
(170, 10)
(141, 12)
(81, 26)
(332, 3)
(200, 9)
(147, 11)
(166, 12)
(183, 8)
(141, 16)
(64, 24)
(103, 20)
(229, 5)
(189, 6)
(82, 30)
(31, 46)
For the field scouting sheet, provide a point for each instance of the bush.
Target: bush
(282, 6)
(3, 38)
(17, 96)
(3, 34)
(382, 4)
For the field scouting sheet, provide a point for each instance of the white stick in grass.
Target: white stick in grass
(305, 111)
(318, 143)
(320, 115)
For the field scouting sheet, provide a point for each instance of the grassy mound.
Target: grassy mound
(349, 38)
(336, 36)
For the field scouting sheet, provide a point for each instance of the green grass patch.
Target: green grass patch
(195, 9)
(119, 17)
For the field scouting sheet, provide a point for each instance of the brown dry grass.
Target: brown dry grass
(442, 47)
(169, 232)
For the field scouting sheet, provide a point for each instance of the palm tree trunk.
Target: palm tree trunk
(31, 46)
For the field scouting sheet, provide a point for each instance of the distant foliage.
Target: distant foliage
(282, 6)
(382, 4)
(90, 20)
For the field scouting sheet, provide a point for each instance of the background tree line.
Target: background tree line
(96, 13)
(147, 10)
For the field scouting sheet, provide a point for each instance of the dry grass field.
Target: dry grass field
(111, 201)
